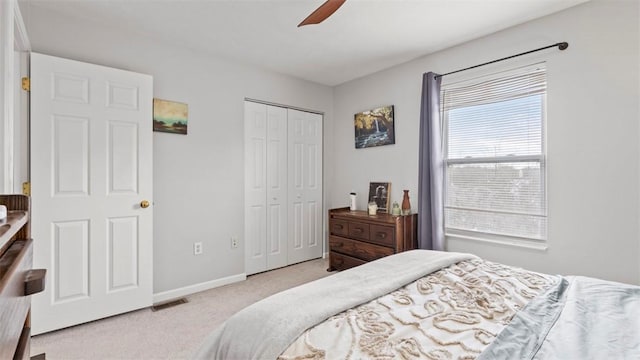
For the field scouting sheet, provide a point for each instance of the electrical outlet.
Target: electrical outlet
(197, 248)
(234, 242)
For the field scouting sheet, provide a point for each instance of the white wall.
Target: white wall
(592, 133)
(198, 186)
(593, 136)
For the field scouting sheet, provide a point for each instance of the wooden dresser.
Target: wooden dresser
(17, 279)
(356, 237)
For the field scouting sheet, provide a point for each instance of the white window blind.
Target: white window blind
(494, 156)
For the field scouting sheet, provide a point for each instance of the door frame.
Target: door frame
(13, 37)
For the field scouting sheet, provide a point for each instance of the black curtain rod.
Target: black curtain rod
(560, 45)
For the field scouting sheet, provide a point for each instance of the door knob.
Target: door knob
(144, 204)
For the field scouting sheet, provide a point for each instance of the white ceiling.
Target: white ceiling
(362, 37)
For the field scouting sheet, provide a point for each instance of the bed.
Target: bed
(425, 304)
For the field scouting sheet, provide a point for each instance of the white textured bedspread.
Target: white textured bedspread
(453, 313)
(265, 329)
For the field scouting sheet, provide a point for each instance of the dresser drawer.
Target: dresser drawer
(338, 227)
(358, 249)
(383, 235)
(359, 230)
(355, 237)
(341, 262)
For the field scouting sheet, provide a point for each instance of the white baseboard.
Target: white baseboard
(192, 289)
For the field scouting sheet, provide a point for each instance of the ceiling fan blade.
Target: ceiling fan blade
(324, 11)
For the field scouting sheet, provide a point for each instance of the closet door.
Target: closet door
(305, 186)
(276, 187)
(265, 187)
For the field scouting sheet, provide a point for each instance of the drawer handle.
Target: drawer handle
(34, 281)
(358, 230)
(338, 226)
(382, 235)
(338, 244)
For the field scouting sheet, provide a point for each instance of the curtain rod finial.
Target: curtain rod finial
(563, 45)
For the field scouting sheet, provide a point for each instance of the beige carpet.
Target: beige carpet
(175, 332)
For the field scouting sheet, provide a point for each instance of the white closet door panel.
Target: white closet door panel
(276, 234)
(276, 187)
(256, 239)
(305, 190)
(255, 160)
(283, 186)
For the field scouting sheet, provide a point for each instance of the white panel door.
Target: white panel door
(255, 187)
(91, 167)
(305, 186)
(276, 187)
(265, 187)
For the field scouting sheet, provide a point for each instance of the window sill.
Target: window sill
(532, 244)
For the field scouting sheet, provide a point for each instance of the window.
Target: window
(495, 157)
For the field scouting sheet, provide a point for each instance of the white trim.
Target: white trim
(13, 35)
(492, 211)
(284, 106)
(21, 36)
(192, 289)
(496, 159)
(7, 39)
(500, 241)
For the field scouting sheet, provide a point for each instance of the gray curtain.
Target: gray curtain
(431, 167)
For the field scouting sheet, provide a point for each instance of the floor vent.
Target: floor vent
(168, 304)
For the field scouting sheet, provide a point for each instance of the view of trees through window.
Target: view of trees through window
(495, 181)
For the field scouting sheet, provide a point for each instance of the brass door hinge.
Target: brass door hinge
(26, 84)
(26, 188)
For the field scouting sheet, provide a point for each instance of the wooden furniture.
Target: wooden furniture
(356, 237)
(17, 279)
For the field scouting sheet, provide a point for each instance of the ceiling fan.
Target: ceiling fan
(322, 13)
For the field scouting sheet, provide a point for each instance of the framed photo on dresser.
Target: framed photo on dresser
(379, 193)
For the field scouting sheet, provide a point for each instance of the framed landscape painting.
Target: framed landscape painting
(374, 127)
(170, 116)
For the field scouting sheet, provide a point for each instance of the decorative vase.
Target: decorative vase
(406, 205)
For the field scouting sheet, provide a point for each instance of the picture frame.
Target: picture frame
(374, 127)
(380, 192)
(170, 116)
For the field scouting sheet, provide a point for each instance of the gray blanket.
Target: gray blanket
(265, 329)
(578, 318)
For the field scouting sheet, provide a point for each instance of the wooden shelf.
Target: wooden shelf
(17, 278)
(11, 226)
